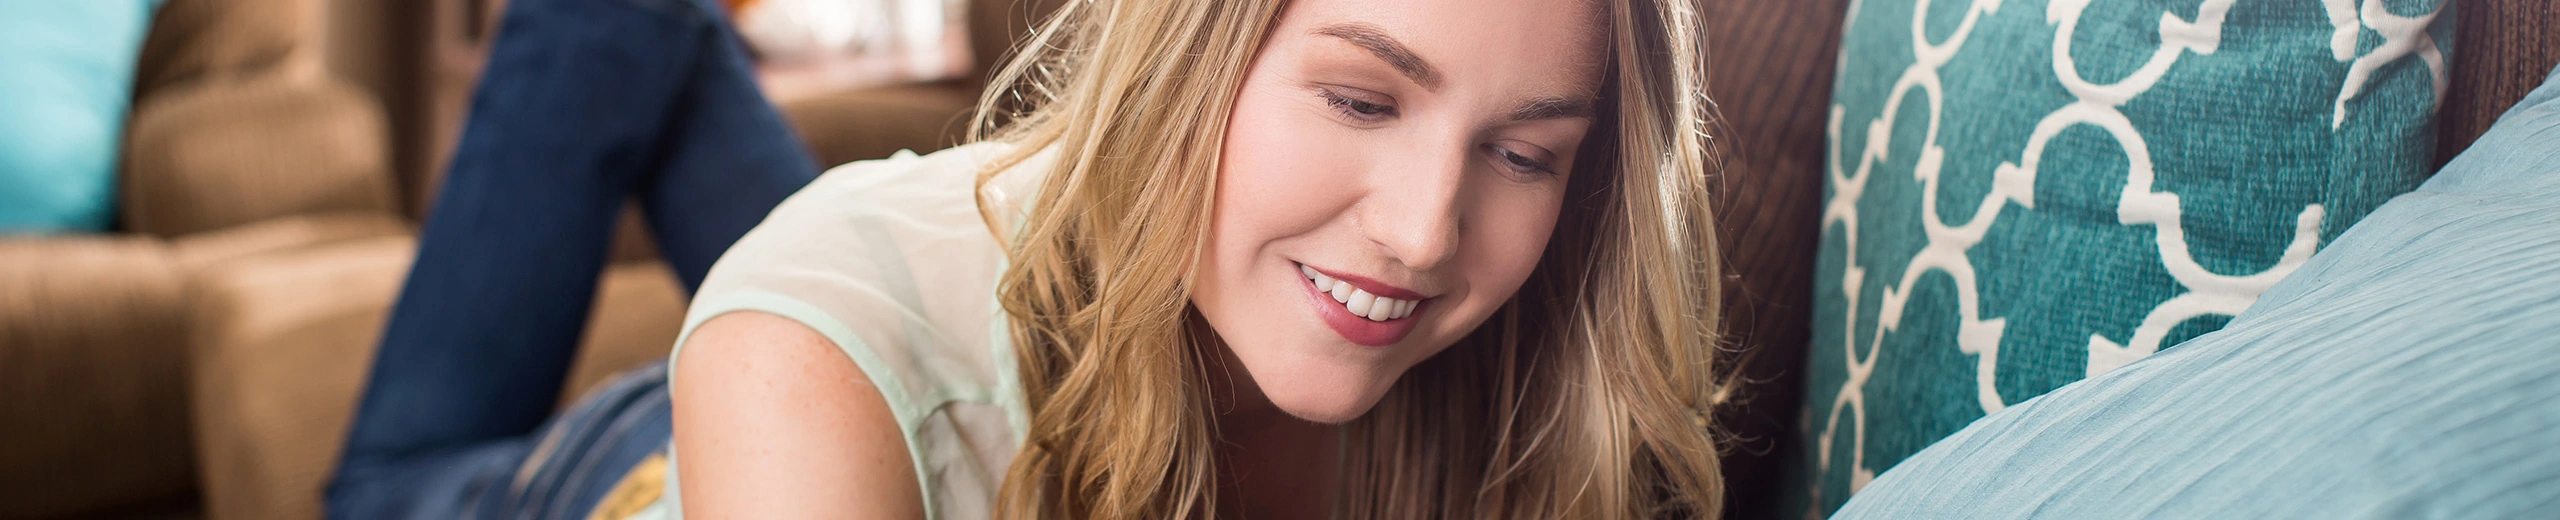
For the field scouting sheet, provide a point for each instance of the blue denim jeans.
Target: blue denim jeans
(584, 104)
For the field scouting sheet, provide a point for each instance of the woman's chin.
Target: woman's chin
(1322, 403)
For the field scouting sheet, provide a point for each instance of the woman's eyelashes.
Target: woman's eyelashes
(1359, 105)
(1517, 162)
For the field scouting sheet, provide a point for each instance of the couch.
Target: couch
(238, 146)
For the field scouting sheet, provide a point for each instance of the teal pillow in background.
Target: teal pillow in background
(66, 79)
(2024, 193)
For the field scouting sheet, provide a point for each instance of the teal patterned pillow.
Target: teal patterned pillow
(2026, 193)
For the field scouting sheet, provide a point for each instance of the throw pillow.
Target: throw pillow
(2405, 372)
(2025, 193)
(66, 79)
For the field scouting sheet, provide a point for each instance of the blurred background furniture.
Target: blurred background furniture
(280, 346)
(239, 145)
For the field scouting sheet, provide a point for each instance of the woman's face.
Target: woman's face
(1389, 178)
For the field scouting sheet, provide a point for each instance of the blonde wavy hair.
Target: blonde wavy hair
(1586, 396)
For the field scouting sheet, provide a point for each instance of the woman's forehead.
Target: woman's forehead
(1552, 46)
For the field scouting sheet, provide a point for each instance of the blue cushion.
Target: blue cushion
(66, 77)
(2409, 370)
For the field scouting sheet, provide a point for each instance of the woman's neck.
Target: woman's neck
(1270, 464)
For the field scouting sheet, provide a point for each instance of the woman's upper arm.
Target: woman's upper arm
(772, 421)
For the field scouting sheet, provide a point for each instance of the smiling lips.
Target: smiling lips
(1353, 307)
(1359, 301)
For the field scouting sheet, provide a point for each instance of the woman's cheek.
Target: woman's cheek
(1515, 226)
(1287, 170)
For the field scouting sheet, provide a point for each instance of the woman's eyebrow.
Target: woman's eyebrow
(1386, 48)
(1553, 108)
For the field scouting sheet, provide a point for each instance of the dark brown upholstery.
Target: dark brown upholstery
(2501, 50)
(1769, 70)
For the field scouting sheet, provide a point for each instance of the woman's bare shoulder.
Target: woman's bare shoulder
(772, 420)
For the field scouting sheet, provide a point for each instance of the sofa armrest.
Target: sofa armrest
(280, 345)
(219, 153)
(92, 413)
(278, 349)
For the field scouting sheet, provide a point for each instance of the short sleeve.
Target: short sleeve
(891, 261)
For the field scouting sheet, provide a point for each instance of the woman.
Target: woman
(1333, 257)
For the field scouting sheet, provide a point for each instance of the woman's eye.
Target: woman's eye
(1355, 108)
(1520, 163)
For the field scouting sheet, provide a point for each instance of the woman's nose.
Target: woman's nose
(1413, 209)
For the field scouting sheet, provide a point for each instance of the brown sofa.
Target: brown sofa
(238, 146)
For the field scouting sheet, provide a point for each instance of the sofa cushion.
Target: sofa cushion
(92, 383)
(2405, 372)
(280, 344)
(68, 70)
(2027, 193)
(278, 348)
(215, 154)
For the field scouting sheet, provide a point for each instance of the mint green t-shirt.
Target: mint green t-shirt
(891, 261)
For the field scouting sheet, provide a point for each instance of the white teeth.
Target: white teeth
(1384, 309)
(1323, 283)
(1395, 309)
(1359, 302)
